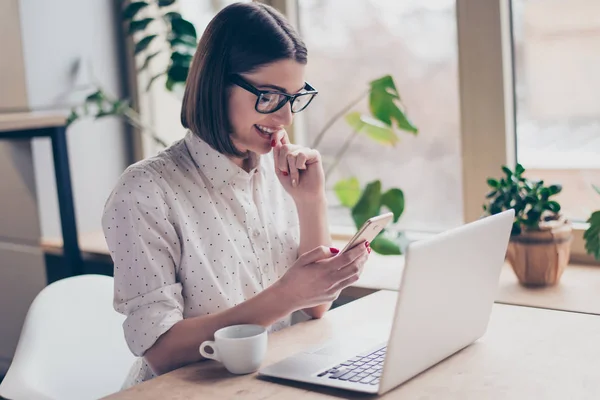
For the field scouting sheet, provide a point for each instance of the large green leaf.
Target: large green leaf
(183, 27)
(394, 200)
(181, 58)
(385, 246)
(143, 43)
(368, 204)
(373, 128)
(132, 9)
(178, 73)
(382, 102)
(348, 191)
(592, 235)
(184, 42)
(139, 25)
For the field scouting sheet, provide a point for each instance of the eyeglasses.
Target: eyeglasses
(269, 101)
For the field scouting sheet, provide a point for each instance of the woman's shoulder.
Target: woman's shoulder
(159, 168)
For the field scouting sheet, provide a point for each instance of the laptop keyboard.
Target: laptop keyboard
(364, 369)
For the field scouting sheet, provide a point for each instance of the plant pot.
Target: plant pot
(540, 256)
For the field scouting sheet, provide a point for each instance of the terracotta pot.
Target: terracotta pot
(539, 257)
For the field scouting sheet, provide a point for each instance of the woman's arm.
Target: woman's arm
(179, 345)
(314, 232)
(313, 279)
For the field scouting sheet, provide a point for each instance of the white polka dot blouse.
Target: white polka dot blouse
(191, 234)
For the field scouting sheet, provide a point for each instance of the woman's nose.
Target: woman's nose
(284, 115)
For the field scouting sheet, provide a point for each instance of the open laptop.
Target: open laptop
(445, 298)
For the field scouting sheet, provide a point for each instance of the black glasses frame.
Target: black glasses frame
(308, 91)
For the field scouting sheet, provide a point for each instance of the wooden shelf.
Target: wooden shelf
(31, 120)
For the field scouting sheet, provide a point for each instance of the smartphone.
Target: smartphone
(369, 230)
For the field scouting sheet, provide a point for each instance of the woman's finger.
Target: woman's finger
(282, 160)
(301, 159)
(294, 174)
(343, 284)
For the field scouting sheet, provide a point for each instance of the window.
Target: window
(353, 42)
(557, 91)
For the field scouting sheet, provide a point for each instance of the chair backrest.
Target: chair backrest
(71, 345)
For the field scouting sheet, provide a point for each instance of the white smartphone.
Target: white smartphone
(369, 230)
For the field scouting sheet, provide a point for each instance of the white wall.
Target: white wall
(55, 34)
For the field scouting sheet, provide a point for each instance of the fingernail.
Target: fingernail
(294, 182)
(284, 173)
(367, 244)
(333, 250)
(273, 143)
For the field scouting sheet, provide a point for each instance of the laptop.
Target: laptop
(445, 298)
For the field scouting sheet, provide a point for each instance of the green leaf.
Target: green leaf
(491, 194)
(147, 61)
(555, 189)
(519, 170)
(373, 128)
(143, 43)
(139, 25)
(382, 103)
(165, 3)
(368, 204)
(155, 77)
(592, 235)
(507, 171)
(394, 200)
(554, 207)
(493, 182)
(596, 188)
(181, 58)
(178, 73)
(172, 15)
(385, 246)
(97, 96)
(183, 27)
(348, 192)
(132, 9)
(73, 116)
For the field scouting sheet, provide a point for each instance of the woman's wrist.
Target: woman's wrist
(311, 202)
(284, 297)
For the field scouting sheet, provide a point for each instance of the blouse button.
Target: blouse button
(256, 233)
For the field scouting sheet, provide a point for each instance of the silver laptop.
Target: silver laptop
(445, 298)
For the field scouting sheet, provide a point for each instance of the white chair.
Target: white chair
(71, 345)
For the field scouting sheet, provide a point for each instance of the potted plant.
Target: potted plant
(540, 241)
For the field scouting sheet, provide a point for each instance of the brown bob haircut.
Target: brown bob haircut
(240, 38)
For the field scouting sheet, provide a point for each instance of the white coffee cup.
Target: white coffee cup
(241, 348)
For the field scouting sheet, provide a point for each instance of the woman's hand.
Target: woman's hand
(298, 168)
(318, 276)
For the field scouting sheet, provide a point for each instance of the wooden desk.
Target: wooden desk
(29, 125)
(526, 354)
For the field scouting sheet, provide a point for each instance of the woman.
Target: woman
(208, 233)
